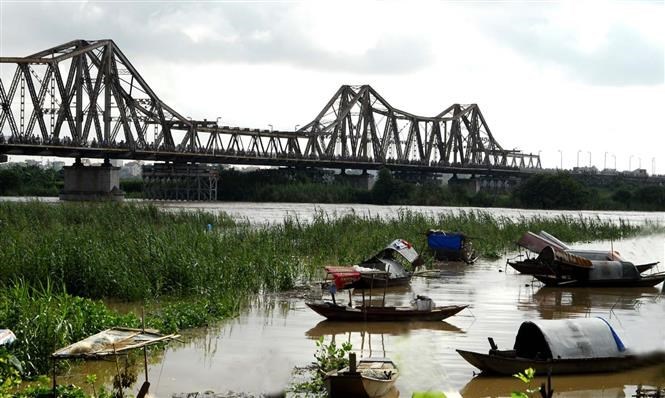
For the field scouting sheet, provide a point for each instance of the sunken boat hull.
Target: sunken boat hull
(535, 267)
(509, 365)
(336, 312)
(644, 281)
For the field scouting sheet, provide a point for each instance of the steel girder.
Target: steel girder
(87, 94)
(357, 122)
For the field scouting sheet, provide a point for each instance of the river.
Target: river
(256, 352)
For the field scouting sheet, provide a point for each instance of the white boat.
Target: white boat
(373, 378)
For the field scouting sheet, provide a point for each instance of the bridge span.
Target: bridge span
(85, 99)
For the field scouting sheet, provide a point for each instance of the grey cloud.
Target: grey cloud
(626, 58)
(255, 33)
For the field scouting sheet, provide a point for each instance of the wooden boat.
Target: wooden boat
(451, 246)
(372, 378)
(531, 266)
(562, 346)
(422, 309)
(559, 265)
(337, 312)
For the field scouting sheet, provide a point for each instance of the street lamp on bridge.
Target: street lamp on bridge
(270, 125)
(589, 159)
(560, 159)
(578, 157)
(605, 161)
(296, 127)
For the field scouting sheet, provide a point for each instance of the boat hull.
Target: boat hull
(382, 314)
(534, 267)
(503, 365)
(373, 379)
(645, 281)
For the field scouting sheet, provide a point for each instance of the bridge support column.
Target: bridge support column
(90, 183)
(180, 181)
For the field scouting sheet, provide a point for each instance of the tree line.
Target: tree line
(541, 191)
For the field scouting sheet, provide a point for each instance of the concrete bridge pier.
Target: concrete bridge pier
(92, 183)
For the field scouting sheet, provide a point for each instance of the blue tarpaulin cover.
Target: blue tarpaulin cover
(445, 240)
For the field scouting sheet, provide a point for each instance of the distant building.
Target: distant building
(55, 165)
(131, 170)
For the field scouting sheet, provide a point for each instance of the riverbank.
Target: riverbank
(205, 265)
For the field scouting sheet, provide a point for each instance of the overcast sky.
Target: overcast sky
(548, 76)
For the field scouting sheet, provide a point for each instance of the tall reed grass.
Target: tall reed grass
(132, 252)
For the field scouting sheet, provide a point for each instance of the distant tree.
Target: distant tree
(651, 197)
(384, 187)
(623, 196)
(553, 191)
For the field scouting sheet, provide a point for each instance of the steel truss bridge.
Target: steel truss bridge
(84, 99)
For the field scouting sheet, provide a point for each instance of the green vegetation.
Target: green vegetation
(553, 191)
(19, 180)
(136, 252)
(132, 187)
(45, 319)
(328, 357)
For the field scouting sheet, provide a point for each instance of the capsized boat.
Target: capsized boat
(371, 378)
(392, 260)
(562, 346)
(451, 246)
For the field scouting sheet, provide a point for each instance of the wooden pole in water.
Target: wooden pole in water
(385, 287)
(117, 369)
(352, 362)
(371, 285)
(145, 349)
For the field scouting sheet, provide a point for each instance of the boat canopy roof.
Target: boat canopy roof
(6, 337)
(398, 246)
(568, 339)
(111, 342)
(605, 270)
(445, 240)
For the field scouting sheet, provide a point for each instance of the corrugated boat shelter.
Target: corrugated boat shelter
(568, 339)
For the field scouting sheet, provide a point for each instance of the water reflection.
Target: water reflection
(555, 303)
(333, 328)
(617, 385)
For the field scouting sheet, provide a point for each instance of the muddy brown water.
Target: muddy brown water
(257, 351)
